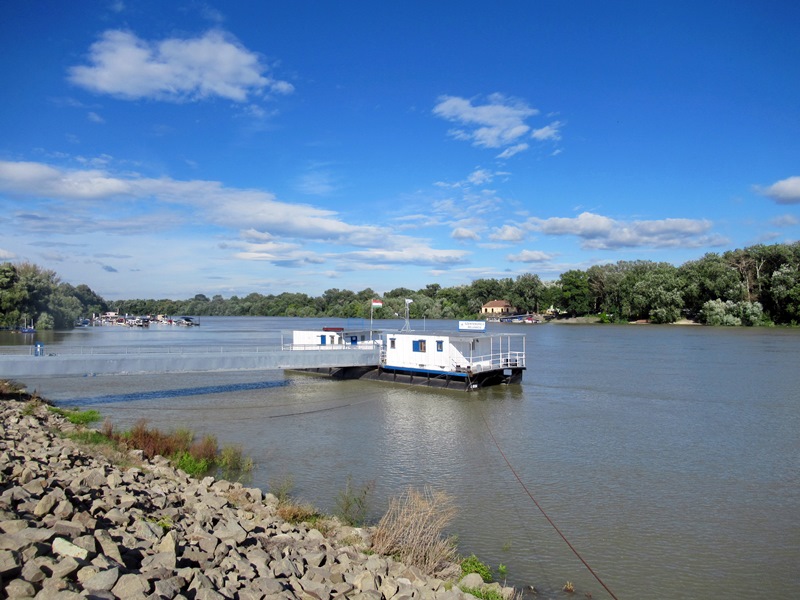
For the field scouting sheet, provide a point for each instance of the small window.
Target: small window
(391, 343)
(418, 345)
(439, 346)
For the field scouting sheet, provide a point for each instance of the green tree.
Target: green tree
(526, 293)
(576, 297)
(13, 296)
(709, 278)
(656, 294)
(91, 302)
(719, 312)
(605, 285)
(785, 294)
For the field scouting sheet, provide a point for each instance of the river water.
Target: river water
(668, 456)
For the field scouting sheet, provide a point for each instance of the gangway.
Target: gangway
(62, 361)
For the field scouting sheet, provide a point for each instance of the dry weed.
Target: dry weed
(413, 530)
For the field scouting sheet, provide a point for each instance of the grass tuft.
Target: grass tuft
(281, 488)
(75, 416)
(298, 512)
(352, 502)
(89, 436)
(232, 462)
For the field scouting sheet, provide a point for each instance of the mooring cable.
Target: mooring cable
(546, 516)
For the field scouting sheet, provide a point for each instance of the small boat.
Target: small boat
(185, 322)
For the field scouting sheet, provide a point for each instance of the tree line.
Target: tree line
(757, 285)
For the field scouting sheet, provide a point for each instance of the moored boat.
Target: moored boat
(467, 358)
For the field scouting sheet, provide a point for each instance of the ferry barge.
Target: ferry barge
(466, 359)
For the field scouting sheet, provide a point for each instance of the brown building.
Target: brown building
(498, 307)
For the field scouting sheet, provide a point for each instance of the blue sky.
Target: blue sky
(164, 149)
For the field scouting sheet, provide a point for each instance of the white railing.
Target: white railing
(490, 362)
(66, 350)
(363, 347)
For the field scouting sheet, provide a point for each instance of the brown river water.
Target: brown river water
(668, 456)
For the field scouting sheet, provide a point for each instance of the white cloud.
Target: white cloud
(419, 255)
(785, 191)
(785, 221)
(530, 256)
(508, 233)
(602, 233)
(480, 177)
(6, 254)
(501, 122)
(462, 234)
(316, 183)
(279, 253)
(42, 180)
(74, 202)
(548, 132)
(512, 150)
(95, 118)
(177, 70)
(498, 123)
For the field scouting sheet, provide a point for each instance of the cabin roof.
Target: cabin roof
(497, 304)
(454, 334)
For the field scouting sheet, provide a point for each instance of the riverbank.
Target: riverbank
(72, 524)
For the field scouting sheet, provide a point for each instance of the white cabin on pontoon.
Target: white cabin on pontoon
(467, 359)
(330, 337)
(473, 357)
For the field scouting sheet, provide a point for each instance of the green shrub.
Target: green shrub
(75, 416)
(472, 564)
(191, 465)
(483, 593)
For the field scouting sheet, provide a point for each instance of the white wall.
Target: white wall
(403, 354)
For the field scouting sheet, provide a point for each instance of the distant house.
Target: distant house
(498, 307)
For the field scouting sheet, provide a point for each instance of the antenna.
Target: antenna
(407, 326)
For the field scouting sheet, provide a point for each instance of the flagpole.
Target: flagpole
(372, 304)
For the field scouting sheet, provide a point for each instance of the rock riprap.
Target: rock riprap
(72, 524)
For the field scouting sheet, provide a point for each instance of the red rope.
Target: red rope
(549, 520)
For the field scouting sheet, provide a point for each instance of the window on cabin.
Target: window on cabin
(439, 346)
(418, 345)
(392, 343)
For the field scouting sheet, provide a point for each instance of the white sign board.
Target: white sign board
(471, 325)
